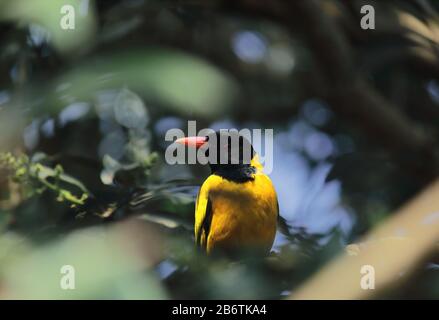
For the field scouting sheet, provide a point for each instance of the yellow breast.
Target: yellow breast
(243, 214)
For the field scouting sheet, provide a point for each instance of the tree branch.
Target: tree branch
(399, 245)
(350, 95)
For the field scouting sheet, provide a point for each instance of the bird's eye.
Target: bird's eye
(207, 138)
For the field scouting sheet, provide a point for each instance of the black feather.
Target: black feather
(205, 226)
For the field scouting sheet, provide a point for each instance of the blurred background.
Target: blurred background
(84, 112)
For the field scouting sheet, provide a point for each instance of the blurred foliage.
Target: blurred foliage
(46, 14)
(84, 112)
(37, 178)
(101, 271)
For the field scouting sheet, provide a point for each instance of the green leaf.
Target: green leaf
(172, 79)
(47, 13)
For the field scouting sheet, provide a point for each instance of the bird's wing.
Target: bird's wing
(203, 216)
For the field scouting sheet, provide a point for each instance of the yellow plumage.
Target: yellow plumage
(230, 215)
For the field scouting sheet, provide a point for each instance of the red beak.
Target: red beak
(194, 142)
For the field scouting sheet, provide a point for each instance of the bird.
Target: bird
(236, 209)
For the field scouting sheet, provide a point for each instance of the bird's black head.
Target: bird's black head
(228, 154)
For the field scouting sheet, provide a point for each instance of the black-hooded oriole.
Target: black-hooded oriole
(236, 207)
